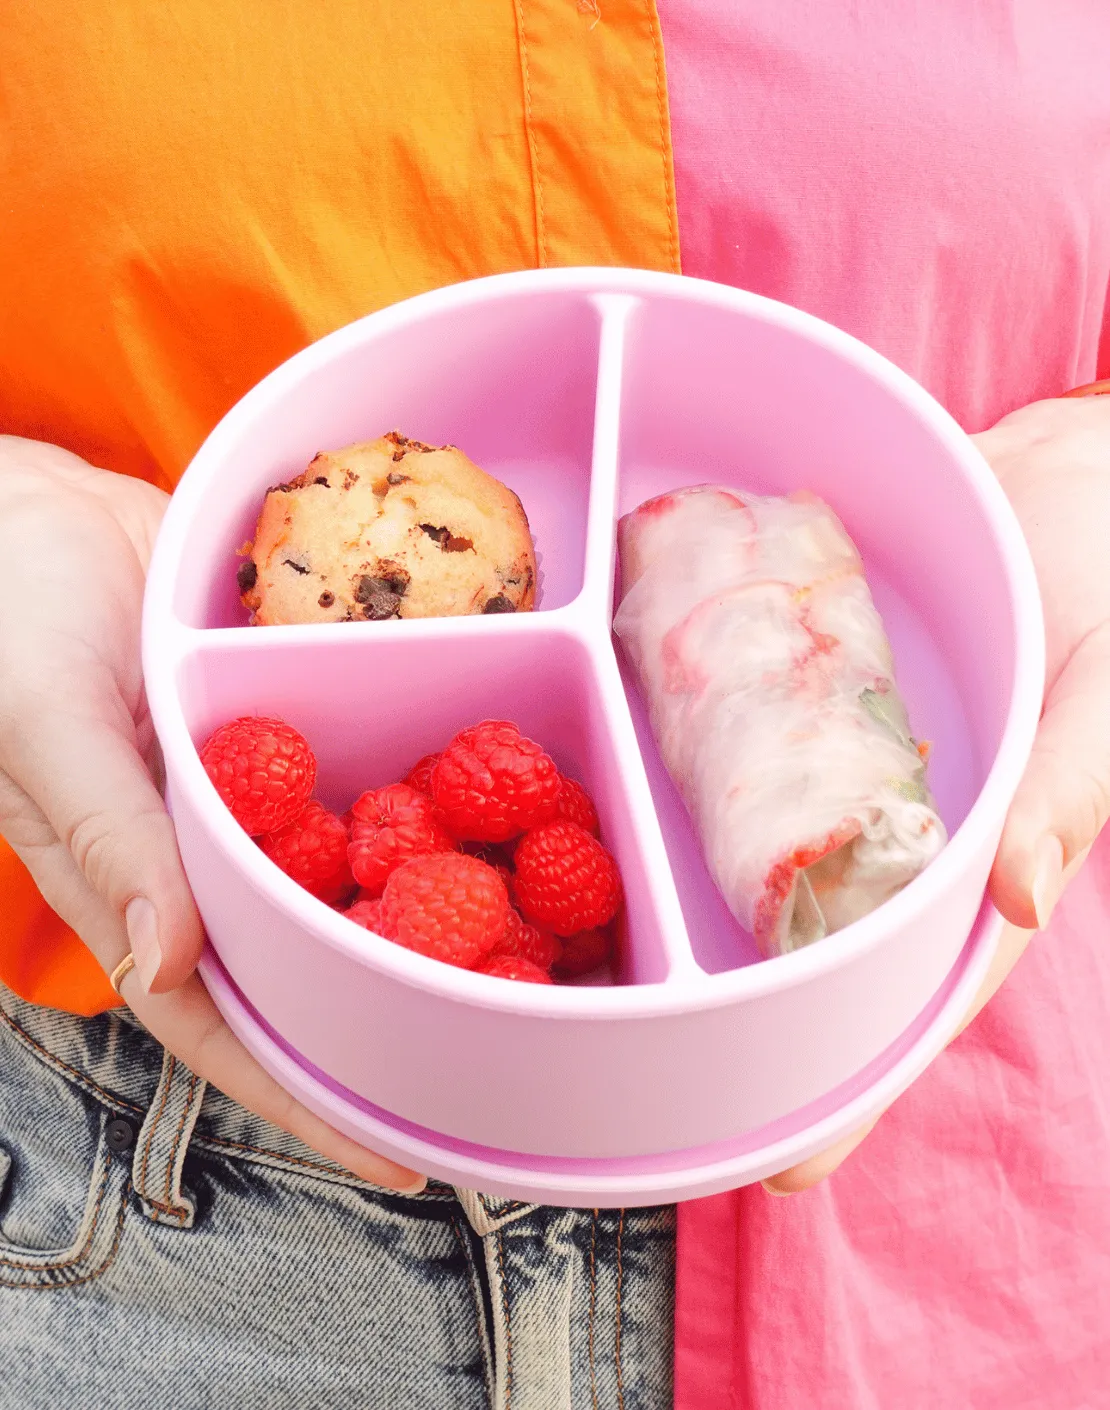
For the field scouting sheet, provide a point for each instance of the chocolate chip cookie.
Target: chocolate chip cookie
(388, 528)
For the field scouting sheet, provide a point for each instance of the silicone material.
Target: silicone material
(588, 391)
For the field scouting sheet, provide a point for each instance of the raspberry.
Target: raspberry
(495, 856)
(576, 805)
(512, 967)
(583, 953)
(498, 855)
(312, 849)
(528, 942)
(367, 913)
(447, 906)
(420, 775)
(262, 769)
(491, 783)
(388, 826)
(565, 879)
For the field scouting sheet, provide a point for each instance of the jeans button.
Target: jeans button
(120, 1135)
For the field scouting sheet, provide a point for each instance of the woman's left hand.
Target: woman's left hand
(1053, 460)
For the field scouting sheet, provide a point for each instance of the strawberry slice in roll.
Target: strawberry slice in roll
(770, 685)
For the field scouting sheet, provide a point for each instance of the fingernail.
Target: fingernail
(142, 933)
(416, 1188)
(778, 1194)
(1048, 878)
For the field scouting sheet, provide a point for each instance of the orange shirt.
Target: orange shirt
(191, 193)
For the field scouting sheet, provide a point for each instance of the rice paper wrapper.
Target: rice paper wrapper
(770, 685)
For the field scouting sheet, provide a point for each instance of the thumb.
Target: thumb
(818, 1167)
(88, 779)
(1063, 799)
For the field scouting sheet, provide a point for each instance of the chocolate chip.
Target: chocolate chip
(404, 445)
(393, 575)
(378, 597)
(368, 586)
(247, 575)
(500, 603)
(322, 480)
(382, 609)
(446, 539)
(393, 478)
(326, 599)
(297, 567)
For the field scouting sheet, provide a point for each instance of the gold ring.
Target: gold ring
(121, 971)
(1091, 389)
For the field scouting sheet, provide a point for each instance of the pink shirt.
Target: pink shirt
(934, 178)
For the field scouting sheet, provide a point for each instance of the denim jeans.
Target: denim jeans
(163, 1248)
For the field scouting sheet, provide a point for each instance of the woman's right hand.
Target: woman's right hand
(78, 761)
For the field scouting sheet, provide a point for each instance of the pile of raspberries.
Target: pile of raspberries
(484, 856)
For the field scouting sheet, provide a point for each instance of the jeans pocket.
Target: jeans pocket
(63, 1191)
(99, 1225)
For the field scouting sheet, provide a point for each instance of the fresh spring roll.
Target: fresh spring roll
(770, 684)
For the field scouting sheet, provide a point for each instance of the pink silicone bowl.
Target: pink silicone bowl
(588, 391)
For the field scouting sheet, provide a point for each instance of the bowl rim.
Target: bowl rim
(688, 989)
(593, 1180)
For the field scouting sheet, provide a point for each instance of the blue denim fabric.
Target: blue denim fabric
(162, 1248)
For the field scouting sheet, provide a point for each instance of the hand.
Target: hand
(78, 759)
(1053, 460)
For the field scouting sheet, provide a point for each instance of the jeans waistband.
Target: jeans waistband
(116, 1061)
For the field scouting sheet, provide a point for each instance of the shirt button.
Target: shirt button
(120, 1134)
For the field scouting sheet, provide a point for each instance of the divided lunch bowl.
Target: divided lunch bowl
(698, 1067)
